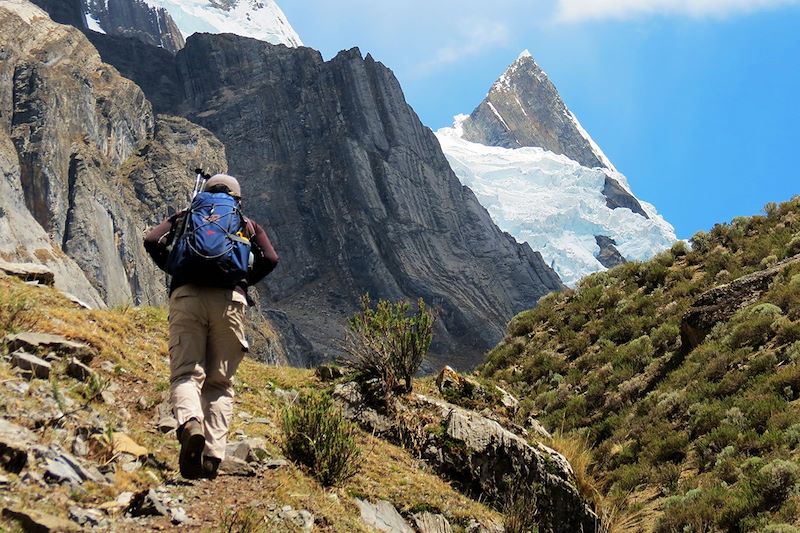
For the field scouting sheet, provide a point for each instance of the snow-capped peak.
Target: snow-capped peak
(260, 19)
(524, 54)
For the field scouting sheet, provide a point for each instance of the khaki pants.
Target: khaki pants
(206, 345)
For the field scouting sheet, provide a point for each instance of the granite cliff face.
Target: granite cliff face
(356, 192)
(137, 19)
(94, 161)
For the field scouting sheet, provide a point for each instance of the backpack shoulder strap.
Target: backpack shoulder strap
(249, 227)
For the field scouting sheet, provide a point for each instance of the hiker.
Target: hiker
(206, 318)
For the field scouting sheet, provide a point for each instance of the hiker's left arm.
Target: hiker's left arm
(265, 257)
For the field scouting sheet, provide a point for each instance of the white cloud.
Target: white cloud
(578, 10)
(473, 37)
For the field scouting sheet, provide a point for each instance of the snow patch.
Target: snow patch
(497, 114)
(553, 203)
(93, 24)
(259, 19)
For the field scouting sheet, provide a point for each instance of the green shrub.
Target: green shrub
(316, 435)
(780, 528)
(388, 343)
(777, 480)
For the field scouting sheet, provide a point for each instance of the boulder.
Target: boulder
(383, 516)
(28, 272)
(480, 456)
(41, 343)
(38, 367)
(38, 522)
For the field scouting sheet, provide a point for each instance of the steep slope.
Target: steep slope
(79, 444)
(545, 180)
(357, 194)
(259, 19)
(93, 160)
(135, 18)
(682, 372)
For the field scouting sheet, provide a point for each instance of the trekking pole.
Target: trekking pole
(199, 182)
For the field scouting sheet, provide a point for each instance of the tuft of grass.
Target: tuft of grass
(317, 436)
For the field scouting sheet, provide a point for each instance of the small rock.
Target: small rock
(107, 366)
(178, 515)
(80, 447)
(538, 429)
(273, 464)
(78, 370)
(124, 498)
(239, 450)
(14, 442)
(86, 517)
(233, 466)
(37, 366)
(108, 397)
(431, 523)
(142, 404)
(147, 503)
(244, 415)
(20, 387)
(167, 424)
(31, 520)
(33, 478)
(507, 399)
(43, 343)
(262, 420)
(65, 469)
(4, 481)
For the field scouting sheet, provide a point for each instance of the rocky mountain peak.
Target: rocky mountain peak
(523, 108)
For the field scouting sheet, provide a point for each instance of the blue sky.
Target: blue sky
(696, 101)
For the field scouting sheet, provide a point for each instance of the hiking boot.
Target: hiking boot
(210, 467)
(193, 441)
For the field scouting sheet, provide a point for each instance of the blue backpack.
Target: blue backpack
(212, 248)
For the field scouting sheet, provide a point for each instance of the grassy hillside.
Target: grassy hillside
(703, 439)
(132, 364)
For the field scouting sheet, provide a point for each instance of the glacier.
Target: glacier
(553, 203)
(259, 19)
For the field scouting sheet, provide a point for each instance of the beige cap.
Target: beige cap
(223, 179)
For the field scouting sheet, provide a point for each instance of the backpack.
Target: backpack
(211, 247)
